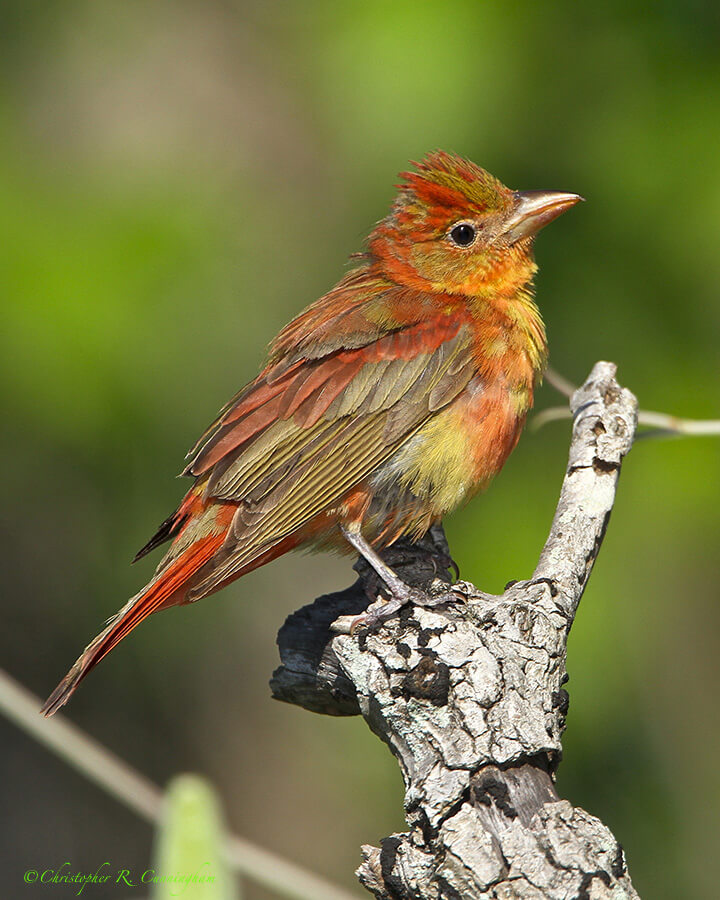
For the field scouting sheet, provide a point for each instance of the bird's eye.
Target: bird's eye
(463, 234)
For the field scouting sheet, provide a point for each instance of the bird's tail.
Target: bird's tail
(168, 588)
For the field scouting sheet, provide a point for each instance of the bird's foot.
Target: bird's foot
(401, 594)
(382, 610)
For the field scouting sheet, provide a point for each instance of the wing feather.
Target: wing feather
(255, 530)
(334, 420)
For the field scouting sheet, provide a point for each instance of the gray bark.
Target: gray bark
(469, 697)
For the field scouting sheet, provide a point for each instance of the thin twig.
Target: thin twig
(559, 382)
(663, 425)
(551, 414)
(673, 425)
(139, 794)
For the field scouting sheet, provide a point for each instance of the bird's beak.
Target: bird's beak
(533, 210)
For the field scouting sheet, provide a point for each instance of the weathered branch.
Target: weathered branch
(469, 697)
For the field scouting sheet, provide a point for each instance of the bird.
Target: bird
(382, 406)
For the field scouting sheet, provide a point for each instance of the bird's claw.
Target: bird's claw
(366, 621)
(431, 601)
(380, 612)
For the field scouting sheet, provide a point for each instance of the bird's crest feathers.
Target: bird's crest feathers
(446, 181)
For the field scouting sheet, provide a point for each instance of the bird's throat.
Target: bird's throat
(510, 341)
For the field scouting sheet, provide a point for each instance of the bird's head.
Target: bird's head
(455, 228)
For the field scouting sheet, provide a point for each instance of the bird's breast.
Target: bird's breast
(453, 455)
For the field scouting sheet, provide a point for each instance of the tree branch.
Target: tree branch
(469, 697)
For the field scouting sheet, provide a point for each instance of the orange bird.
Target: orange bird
(382, 406)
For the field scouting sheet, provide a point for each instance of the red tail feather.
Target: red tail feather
(166, 590)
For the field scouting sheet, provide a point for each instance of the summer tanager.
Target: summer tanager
(382, 406)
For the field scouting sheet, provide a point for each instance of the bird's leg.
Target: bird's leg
(401, 593)
(397, 586)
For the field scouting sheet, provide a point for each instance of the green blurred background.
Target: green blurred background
(176, 181)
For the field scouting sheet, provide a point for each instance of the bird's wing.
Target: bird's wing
(291, 445)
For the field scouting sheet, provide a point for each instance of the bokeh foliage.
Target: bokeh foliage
(189, 843)
(176, 180)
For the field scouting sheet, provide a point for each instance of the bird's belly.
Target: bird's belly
(450, 458)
